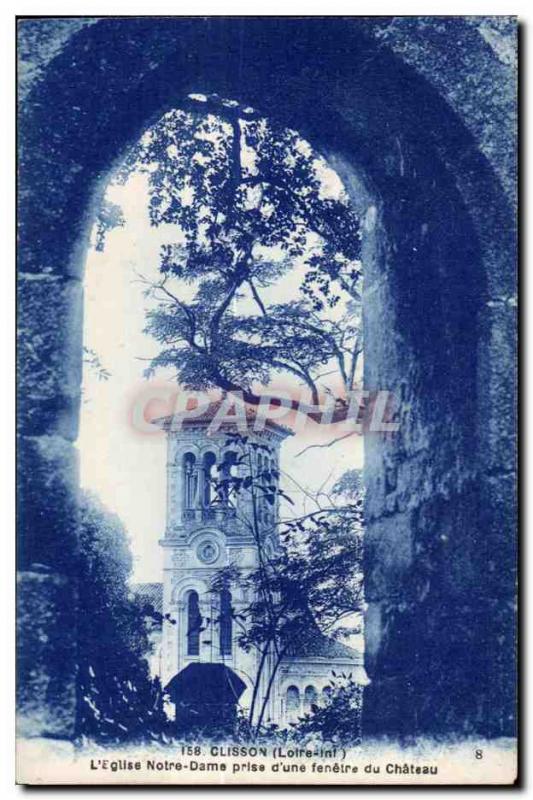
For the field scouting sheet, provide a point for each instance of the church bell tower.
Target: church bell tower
(207, 531)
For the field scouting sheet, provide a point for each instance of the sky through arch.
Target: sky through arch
(141, 247)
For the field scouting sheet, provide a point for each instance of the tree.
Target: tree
(117, 700)
(250, 202)
(109, 216)
(309, 569)
(338, 718)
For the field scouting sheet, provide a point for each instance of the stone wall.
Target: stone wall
(419, 115)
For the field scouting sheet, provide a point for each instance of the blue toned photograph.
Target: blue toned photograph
(267, 400)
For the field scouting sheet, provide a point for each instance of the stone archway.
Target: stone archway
(387, 107)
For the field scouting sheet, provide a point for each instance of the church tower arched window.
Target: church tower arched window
(194, 623)
(208, 490)
(228, 469)
(226, 623)
(293, 698)
(190, 480)
(310, 697)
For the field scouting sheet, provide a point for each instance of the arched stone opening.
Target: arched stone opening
(439, 279)
(205, 695)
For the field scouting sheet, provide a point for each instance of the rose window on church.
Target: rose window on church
(208, 552)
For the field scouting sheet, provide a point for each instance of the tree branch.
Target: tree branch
(329, 444)
(256, 296)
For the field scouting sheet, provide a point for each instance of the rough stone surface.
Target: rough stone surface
(49, 334)
(39, 42)
(421, 113)
(46, 664)
(47, 503)
(472, 62)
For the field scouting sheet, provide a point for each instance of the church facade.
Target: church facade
(204, 535)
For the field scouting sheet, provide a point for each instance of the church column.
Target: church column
(178, 641)
(209, 650)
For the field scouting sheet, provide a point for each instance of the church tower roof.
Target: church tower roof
(204, 419)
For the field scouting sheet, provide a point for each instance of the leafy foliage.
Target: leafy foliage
(109, 216)
(309, 570)
(92, 360)
(350, 485)
(250, 202)
(338, 719)
(117, 699)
